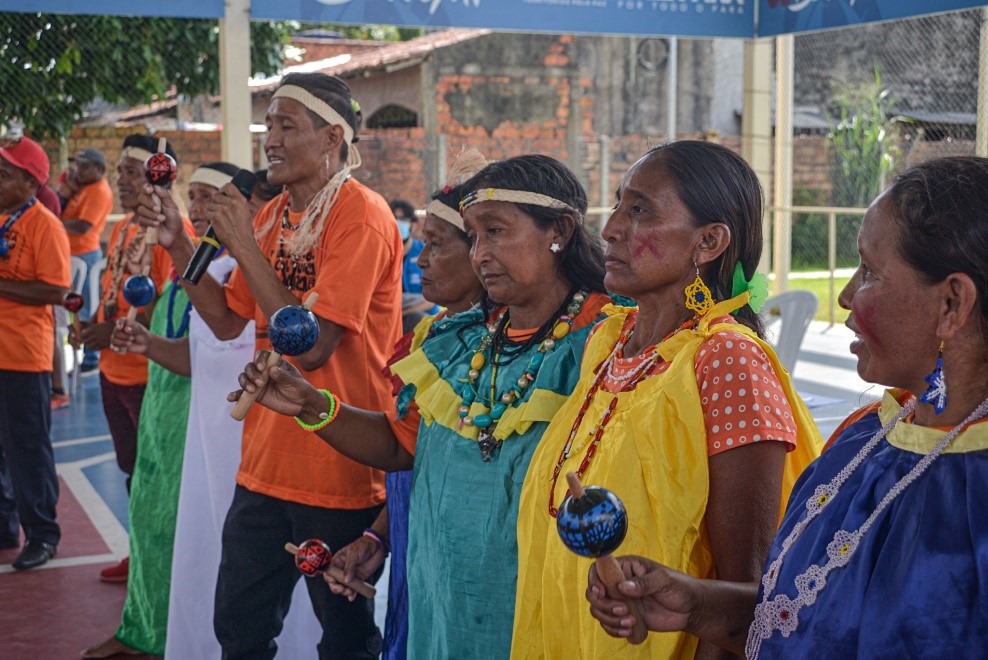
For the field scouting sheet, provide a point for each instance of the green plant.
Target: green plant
(863, 136)
(54, 65)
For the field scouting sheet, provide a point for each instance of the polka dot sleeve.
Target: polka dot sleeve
(742, 399)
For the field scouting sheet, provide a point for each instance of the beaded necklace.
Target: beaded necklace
(487, 421)
(628, 382)
(170, 331)
(117, 258)
(781, 612)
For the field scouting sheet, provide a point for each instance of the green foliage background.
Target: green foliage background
(54, 65)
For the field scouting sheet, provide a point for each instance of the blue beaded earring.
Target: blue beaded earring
(936, 394)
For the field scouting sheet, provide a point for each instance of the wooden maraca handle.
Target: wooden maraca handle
(611, 574)
(151, 233)
(247, 399)
(361, 587)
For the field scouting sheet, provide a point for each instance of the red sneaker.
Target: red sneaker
(117, 572)
(59, 401)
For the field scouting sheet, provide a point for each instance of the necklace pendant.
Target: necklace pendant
(488, 445)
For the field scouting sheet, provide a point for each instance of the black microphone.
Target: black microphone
(244, 180)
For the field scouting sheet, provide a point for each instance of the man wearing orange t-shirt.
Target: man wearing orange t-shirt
(34, 275)
(330, 235)
(84, 216)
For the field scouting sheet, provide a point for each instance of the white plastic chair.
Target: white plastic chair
(786, 318)
(90, 288)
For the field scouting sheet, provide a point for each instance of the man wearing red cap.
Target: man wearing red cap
(34, 274)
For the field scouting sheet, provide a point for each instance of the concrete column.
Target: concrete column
(756, 122)
(235, 101)
(782, 178)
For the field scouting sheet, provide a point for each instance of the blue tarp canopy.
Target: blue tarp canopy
(688, 18)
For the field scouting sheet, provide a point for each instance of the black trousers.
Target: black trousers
(28, 484)
(257, 577)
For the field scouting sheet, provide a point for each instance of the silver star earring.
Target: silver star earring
(556, 248)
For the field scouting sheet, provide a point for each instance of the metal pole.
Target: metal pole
(672, 88)
(235, 101)
(442, 164)
(782, 170)
(981, 139)
(605, 178)
(832, 262)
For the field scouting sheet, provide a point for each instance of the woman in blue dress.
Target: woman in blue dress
(883, 551)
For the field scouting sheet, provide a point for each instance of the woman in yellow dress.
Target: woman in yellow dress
(681, 410)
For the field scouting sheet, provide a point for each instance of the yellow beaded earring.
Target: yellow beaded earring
(699, 300)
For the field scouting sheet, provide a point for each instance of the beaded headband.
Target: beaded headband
(513, 196)
(210, 177)
(136, 153)
(439, 209)
(316, 105)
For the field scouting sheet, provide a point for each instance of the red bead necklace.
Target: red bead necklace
(640, 374)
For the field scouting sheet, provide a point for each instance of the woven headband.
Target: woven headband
(514, 196)
(136, 153)
(210, 177)
(440, 210)
(316, 105)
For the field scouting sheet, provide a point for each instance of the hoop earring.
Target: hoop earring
(936, 393)
(556, 248)
(699, 300)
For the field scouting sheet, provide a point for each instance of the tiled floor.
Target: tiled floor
(54, 612)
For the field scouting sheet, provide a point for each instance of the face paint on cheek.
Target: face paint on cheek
(645, 243)
(864, 318)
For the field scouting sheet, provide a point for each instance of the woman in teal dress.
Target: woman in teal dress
(883, 550)
(478, 395)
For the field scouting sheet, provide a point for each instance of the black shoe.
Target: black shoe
(10, 544)
(34, 554)
(90, 369)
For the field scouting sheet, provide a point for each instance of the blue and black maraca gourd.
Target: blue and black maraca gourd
(293, 330)
(593, 525)
(138, 290)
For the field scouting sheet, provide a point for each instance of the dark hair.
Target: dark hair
(264, 190)
(406, 208)
(148, 143)
(941, 207)
(717, 185)
(334, 92)
(221, 166)
(582, 260)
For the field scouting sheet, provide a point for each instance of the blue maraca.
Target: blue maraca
(139, 291)
(293, 330)
(592, 522)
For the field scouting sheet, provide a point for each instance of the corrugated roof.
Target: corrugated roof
(384, 56)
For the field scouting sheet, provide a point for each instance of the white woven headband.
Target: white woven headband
(316, 105)
(513, 196)
(136, 153)
(210, 177)
(440, 210)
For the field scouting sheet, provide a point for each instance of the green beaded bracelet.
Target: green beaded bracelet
(327, 417)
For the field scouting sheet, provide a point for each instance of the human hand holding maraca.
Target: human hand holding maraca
(592, 522)
(72, 303)
(156, 209)
(160, 170)
(130, 338)
(314, 557)
(293, 330)
(358, 561)
(669, 598)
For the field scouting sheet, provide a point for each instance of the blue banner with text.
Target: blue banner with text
(787, 16)
(700, 18)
